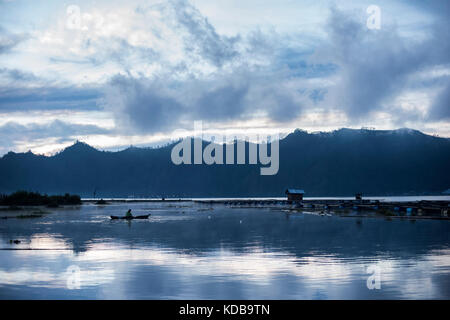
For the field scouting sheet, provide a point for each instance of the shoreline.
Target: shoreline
(331, 198)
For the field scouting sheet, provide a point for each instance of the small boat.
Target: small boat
(130, 218)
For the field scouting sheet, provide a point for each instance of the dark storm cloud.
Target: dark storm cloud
(375, 66)
(222, 103)
(142, 103)
(156, 105)
(163, 104)
(245, 94)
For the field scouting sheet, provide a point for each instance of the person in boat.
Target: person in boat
(129, 215)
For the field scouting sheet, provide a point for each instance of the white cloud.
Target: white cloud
(162, 65)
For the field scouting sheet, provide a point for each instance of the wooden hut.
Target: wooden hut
(295, 194)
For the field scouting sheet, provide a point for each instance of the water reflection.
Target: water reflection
(220, 254)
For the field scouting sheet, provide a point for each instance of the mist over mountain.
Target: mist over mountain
(338, 163)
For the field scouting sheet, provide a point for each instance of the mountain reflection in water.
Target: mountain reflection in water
(186, 252)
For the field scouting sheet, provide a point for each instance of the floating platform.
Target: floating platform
(420, 208)
(425, 208)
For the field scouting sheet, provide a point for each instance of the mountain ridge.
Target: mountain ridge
(337, 163)
(80, 144)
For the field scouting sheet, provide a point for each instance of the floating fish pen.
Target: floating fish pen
(423, 208)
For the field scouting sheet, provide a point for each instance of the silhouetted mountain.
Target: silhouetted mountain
(342, 162)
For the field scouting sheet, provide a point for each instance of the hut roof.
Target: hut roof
(295, 191)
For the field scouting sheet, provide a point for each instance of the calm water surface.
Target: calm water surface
(190, 251)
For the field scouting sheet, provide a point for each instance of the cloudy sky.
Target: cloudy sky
(119, 73)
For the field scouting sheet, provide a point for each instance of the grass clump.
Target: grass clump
(25, 198)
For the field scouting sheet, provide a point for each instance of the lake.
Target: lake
(189, 250)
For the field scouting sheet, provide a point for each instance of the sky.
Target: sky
(120, 73)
